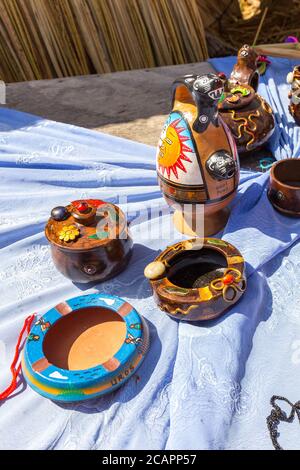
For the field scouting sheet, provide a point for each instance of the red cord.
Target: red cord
(15, 371)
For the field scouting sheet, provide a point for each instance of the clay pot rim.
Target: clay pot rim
(221, 246)
(279, 182)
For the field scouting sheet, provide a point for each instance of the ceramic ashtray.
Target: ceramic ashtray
(89, 240)
(197, 279)
(284, 186)
(84, 347)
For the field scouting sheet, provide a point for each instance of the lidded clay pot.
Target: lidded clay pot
(249, 117)
(89, 240)
(197, 279)
(197, 162)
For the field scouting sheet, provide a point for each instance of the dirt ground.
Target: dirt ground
(130, 104)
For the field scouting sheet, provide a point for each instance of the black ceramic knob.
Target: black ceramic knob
(59, 213)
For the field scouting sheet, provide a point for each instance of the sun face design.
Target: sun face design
(173, 151)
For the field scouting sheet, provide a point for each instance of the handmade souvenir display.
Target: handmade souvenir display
(249, 117)
(197, 279)
(89, 240)
(197, 163)
(284, 186)
(245, 71)
(84, 347)
(293, 78)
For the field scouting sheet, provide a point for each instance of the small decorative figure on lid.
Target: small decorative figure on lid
(293, 78)
(245, 71)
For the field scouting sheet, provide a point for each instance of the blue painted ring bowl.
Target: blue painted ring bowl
(48, 370)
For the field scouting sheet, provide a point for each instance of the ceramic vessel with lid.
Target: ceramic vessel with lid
(89, 240)
(249, 117)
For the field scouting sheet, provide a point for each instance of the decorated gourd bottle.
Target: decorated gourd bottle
(197, 161)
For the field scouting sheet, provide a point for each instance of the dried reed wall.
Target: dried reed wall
(58, 38)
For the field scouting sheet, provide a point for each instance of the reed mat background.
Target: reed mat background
(59, 38)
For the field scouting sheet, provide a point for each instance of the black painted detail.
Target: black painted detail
(221, 165)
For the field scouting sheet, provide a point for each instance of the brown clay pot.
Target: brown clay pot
(197, 279)
(197, 162)
(284, 186)
(89, 240)
(249, 117)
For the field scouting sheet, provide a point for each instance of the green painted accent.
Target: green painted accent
(100, 237)
(262, 68)
(223, 96)
(177, 290)
(217, 242)
(136, 326)
(73, 392)
(240, 89)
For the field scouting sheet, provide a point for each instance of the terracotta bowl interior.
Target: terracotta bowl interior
(287, 172)
(85, 338)
(196, 268)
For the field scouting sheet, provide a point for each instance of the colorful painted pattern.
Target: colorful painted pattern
(76, 385)
(176, 154)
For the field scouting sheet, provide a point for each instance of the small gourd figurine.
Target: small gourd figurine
(245, 71)
(293, 78)
(249, 117)
(197, 162)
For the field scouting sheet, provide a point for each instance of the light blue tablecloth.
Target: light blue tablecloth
(201, 386)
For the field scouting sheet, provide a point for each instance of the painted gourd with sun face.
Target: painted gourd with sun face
(197, 162)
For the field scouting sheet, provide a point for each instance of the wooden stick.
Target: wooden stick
(260, 25)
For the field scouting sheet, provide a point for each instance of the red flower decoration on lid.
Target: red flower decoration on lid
(83, 205)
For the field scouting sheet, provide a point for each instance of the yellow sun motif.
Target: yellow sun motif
(172, 150)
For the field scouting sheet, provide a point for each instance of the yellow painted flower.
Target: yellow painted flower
(69, 233)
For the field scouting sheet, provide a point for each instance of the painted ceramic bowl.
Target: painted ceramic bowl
(197, 279)
(284, 186)
(84, 347)
(89, 240)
